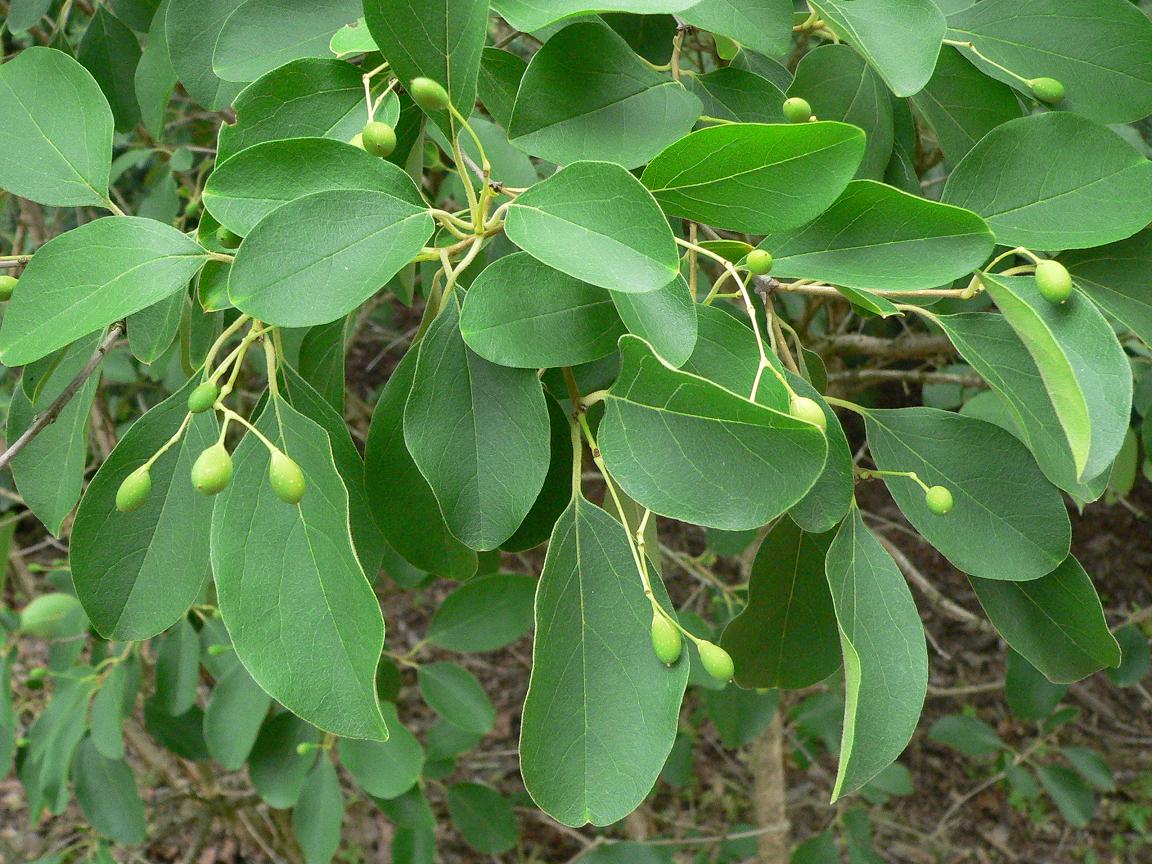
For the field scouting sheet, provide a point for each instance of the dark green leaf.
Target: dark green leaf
(454, 693)
(233, 718)
(384, 769)
(1071, 795)
(665, 319)
(484, 614)
(109, 51)
(762, 25)
(319, 813)
(1114, 277)
(483, 817)
(738, 95)
(106, 792)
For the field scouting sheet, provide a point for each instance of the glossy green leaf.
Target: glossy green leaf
(484, 614)
(762, 25)
(454, 693)
(1098, 51)
(318, 816)
(726, 355)
(192, 30)
(587, 96)
(384, 769)
(595, 222)
(786, 636)
(352, 38)
(524, 314)
(1084, 369)
(1056, 622)
(57, 130)
(877, 237)
(601, 711)
(665, 319)
(109, 51)
(317, 258)
(137, 573)
(1114, 277)
(736, 94)
(885, 656)
(91, 276)
(479, 434)
(870, 26)
(233, 718)
(528, 15)
(329, 632)
(987, 534)
(1054, 181)
(261, 35)
(106, 792)
(691, 450)
(483, 817)
(727, 175)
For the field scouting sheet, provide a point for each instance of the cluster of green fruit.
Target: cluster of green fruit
(379, 139)
(668, 644)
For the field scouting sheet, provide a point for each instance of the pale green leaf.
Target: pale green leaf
(232, 720)
(762, 25)
(665, 319)
(106, 792)
(454, 693)
(483, 817)
(261, 35)
(384, 769)
(318, 816)
(529, 15)
(484, 614)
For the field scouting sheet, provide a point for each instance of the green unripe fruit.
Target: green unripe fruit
(939, 500)
(428, 94)
(808, 410)
(717, 662)
(378, 138)
(286, 478)
(37, 674)
(797, 110)
(665, 639)
(1047, 90)
(1054, 281)
(218, 649)
(45, 615)
(212, 470)
(228, 238)
(134, 491)
(7, 286)
(203, 397)
(357, 140)
(758, 262)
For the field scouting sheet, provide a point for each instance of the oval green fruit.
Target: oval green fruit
(717, 662)
(212, 470)
(797, 110)
(939, 500)
(45, 615)
(808, 410)
(1053, 281)
(379, 138)
(1047, 90)
(134, 491)
(665, 639)
(228, 238)
(428, 94)
(286, 478)
(7, 286)
(758, 262)
(203, 397)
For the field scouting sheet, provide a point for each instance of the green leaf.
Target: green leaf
(408, 513)
(988, 533)
(1056, 622)
(91, 276)
(1091, 766)
(484, 614)
(115, 699)
(735, 94)
(1114, 277)
(726, 355)
(318, 816)
(762, 25)
(57, 130)
(665, 319)
(885, 657)
(1085, 371)
(524, 314)
(840, 86)
(500, 75)
(727, 175)
(352, 38)
(277, 771)
(479, 434)
(454, 693)
(483, 817)
(152, 330)
(322, 362)
(192, 31)
(232, 720)
(557, 489)
(528, 15)
(1041, 182)
(1031, 697)
(970, 736)
(106, 792)
(740, 715)
(155, 79)
(137, 573)
(601, 711)
(52, 740)
(595, 222)
(109, 51)
(329, 632)
(385, 769)
(317, 258)
(178, 668)
(587, 96)
(786, 636)
(261, 35)
(829, 499)
(1099, 51)
(437, 39)
(1071, 795)
(1136, 657)
(962, 104)
(690, 450)
(876, 237)
(905, 62)
(25, 14)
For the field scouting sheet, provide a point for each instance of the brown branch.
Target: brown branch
(912, 376)
(902, 347)
(50, 413)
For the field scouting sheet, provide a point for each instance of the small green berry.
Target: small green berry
(797, 110)
(134, 491)
(228, 238)
(357, 140)
(1047, 90)
(939, 500)
(379, 138)
(212, 470)
(808, 410)
(428, 94)
(46, 614)
(7, 286)
(286, 478)
(665, 639)
(218, 649)
(758, 262)
(39, 673)
(717, 662)
(203, 397)
(1053, 280)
